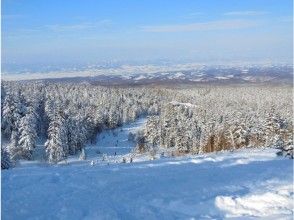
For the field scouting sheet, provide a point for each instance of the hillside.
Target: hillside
(244, 184)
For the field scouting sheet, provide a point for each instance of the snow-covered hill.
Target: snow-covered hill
(245, 184)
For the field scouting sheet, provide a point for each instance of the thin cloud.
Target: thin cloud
(203, 26)
(193, 15)
(245, 13)
(22, 33)
(12, 16)
(74, 27)
(58, 29)
(81, 26)
(286, 19)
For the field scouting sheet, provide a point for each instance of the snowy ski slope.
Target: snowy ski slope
(245, 184)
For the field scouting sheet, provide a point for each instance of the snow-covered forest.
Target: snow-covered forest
(221, 118)
(146, 152)
(198, 120)
(66, 116)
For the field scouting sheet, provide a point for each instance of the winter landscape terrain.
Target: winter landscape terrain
(150, 109)
(244, 184)
(71, 151)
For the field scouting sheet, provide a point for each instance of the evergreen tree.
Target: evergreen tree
(7, 113)
(83, 155)
(5, 159)
(57, 143)
(13, 149)
(28, 134)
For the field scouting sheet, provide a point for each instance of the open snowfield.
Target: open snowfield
(245, 184)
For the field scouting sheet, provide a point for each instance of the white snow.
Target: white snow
(140, 77)
(271, 201)
(244, 71)
(179, 75)
(244, 184)
(115, 140)
(183, 103)
(221, 77)
(127, 70)
(197, 80)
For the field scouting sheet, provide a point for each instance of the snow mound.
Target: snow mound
(270, 203)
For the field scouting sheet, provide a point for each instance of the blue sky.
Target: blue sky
(69, 31)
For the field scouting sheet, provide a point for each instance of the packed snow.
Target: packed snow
(248, 183)
(114, 142)
(209, 186)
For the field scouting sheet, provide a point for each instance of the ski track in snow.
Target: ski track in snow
(245, 184)
(116, 140)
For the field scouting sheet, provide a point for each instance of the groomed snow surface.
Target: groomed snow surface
(244, 184)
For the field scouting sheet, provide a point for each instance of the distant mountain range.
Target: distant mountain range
(189, 74)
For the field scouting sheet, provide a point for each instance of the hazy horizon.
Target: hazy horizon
(78, 32)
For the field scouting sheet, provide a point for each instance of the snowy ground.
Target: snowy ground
(115, 141)
(245, 184)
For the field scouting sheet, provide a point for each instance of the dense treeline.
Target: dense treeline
(219, 118)
(66, 115)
